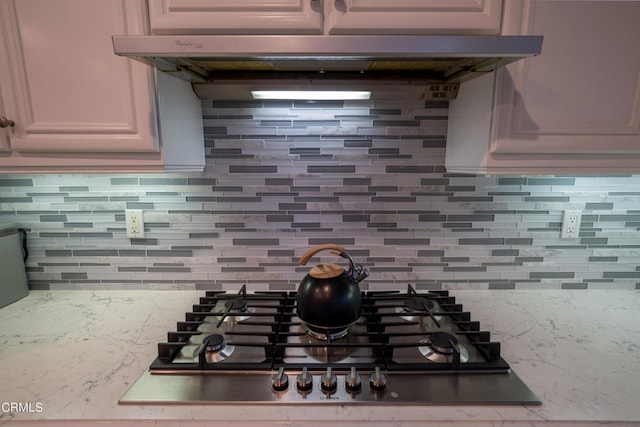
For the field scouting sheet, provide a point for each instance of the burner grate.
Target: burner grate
(267, 334)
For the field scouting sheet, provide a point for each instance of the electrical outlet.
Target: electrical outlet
(135, 223)
(570, 224)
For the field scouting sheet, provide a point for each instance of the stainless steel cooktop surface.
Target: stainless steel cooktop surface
(406, 348)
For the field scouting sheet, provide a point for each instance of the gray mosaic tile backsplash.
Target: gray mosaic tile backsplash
(284, 176)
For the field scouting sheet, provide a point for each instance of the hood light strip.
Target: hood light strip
(316, 95)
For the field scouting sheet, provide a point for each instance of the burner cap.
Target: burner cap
(214, 342)
(418, 304)
(215, 349)
(437, 348)
(238, 304)
(440, 342)
(413, 310)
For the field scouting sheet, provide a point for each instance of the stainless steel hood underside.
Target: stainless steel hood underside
(222, 66)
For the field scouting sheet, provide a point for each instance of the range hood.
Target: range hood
(392, 67)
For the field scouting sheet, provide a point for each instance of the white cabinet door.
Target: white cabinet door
(235, 17)
(62, 84)
(575, 108)
(413, 16)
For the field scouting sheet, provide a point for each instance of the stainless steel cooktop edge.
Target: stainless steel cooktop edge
(462, 389)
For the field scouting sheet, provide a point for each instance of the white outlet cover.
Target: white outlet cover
(571, 224)
(134, 221)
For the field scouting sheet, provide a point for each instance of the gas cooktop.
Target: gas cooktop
(406, 348)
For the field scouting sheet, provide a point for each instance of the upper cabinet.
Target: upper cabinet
(413, 16)
(235, 17)
(60, 88)
(75, 105)
(573, 109)
(325, 16)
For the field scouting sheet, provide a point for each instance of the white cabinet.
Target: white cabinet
(413, 16)
(325, 16)
(235, 17)
(573, 109)
(61, 89)
(75, 104)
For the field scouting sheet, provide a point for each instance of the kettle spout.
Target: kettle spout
(360, 273)
(356, 271)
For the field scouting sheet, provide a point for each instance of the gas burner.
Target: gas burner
(213, 343)
(215, 348)
(441, 347)
(238, 304)
(235, 310)
(418, 304)
(326, 334)
(415, 308)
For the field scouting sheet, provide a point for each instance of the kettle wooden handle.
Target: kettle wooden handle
(311, 252)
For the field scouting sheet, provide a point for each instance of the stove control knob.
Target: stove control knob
(378, 380)
(328, 381)
(280, 381)
(304, 381)
(353, 382)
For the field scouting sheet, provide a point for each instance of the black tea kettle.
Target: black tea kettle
(329, 298)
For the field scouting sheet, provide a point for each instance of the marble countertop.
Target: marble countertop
(68, 356)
